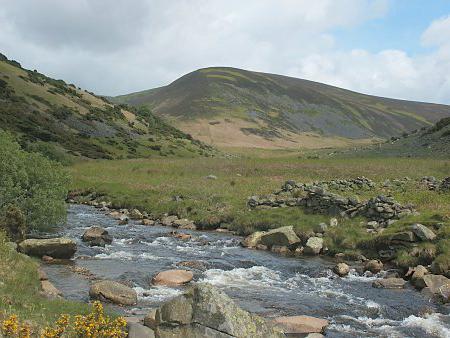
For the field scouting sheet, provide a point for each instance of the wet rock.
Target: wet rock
(207, 309)
(280, 249)
(438, 286)
(169, 220)
(313, 246)
(148, 222)
(341, 269)
(252, 240)
(97, 236)
(301, 324)
(113, 292)
(416, 276)
(47, 259)
(55, 247)
(173, 277)
(373, 266)
(180, 235)
(389, 283)
(284, 236)
(424, 233)
(196, 265)
(136, 214)
(299, 251)
(42, 275)
(261, 247)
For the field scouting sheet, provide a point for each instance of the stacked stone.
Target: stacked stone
(445, 185)
(359, 183)
(321, 201)
(383, 209)
(430, 182)
(274, 201)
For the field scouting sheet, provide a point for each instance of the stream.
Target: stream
(260, 281)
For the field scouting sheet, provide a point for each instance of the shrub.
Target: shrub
(31, 183)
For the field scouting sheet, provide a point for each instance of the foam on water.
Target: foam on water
(432, 324)
(157, 293)
(122, 255)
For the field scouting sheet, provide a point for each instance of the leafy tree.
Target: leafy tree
(31, 186)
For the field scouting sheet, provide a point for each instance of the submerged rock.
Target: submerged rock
(173, 277)
(301, 324)
(389, 283)
(63, 248)
(113, 292)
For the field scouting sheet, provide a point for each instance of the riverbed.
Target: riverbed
(261, 282)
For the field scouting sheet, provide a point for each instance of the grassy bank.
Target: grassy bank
(19, 290)
(153, 184)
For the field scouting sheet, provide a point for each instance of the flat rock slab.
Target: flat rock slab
(173, 277)
(113, 292)
(63, 248)
(301, 324)
(389, 283)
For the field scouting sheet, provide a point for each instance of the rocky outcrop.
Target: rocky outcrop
(284, 236)
(173, 277)
(341, 269)
(301, 324)
(97, 236)
(389, 283)
(204, 311)
(63, 248)
(114, 292)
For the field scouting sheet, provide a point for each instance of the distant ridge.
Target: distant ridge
(235, 107)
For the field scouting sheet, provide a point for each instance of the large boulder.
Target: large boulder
(97, 236)
(301, 324)
(136, 214)
(341, 269)
(416, 274)
(252, 240)
(63, 248)
(137, 330)
(113, 292)
(389, 283)
(373, 266)
(437, 286)
(424, 233)
(313, 246)
(173, 277)
(204, 311)
(284, 236)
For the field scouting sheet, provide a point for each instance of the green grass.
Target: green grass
(151, 184)
(19, 290)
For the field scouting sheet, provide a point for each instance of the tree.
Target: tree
(31, 185)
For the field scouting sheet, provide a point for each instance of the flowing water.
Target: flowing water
(261, 282)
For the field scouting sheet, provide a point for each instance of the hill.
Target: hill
(425, 142)
(59, 119)
(234, 107)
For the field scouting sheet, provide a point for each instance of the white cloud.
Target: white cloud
(122, 46)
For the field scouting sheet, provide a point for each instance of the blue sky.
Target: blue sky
(400, 28)
(392, 48)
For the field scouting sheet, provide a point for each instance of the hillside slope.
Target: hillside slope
(49, 115)
(228, 106)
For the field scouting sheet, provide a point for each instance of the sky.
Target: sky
(392, 48)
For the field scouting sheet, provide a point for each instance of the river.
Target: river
(261, 282)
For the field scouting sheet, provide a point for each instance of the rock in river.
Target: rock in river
(113, 292)
(252, 240)
(284, 236)
(173, 277)
(389, 283)
(301, 324)
(204, 311)
(373, 266)
(62, 247)
(341, 269)
(97, 236)
(313, 246)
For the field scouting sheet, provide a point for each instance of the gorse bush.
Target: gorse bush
(32, 188)
(94, 325)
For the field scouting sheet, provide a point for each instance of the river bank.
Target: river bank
(261, 282)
